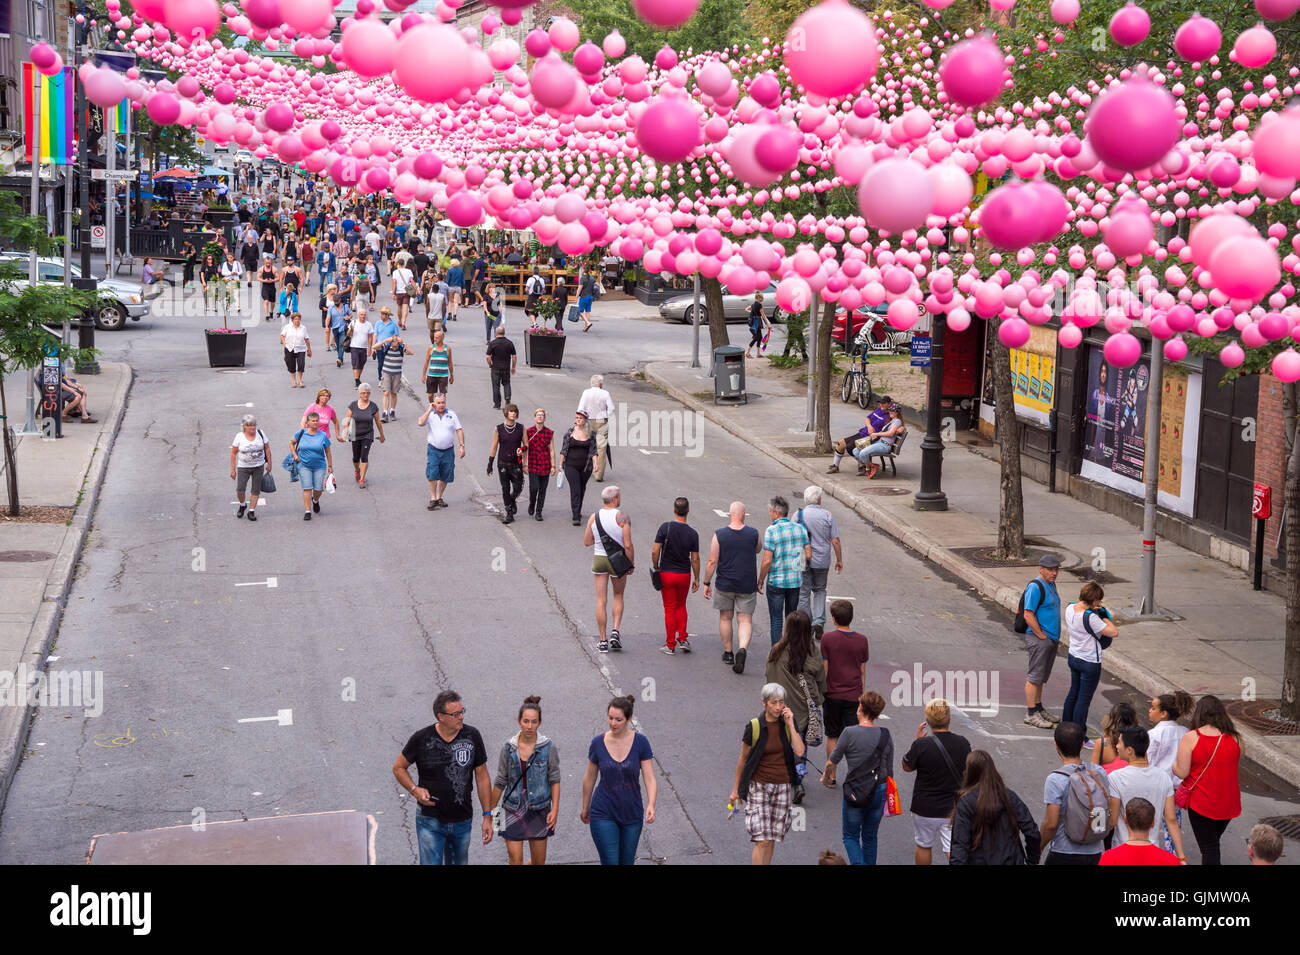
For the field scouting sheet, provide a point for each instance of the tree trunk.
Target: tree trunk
(821, 372)
(11, 459)
(713, 307)
(1291, 513)
(1011, 501)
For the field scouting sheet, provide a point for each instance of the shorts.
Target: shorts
(925, 828)
(767, 811)
(600, 565)
(295, 361)
(839, 715)
(741, 603)
(361, 450)
(439, 464)
(313, 479)
(1042, 654)
(402, 298)
(268, 293)
(584, 303)
(359, 357)
(436, 385)
(391, 381)
(242, 476)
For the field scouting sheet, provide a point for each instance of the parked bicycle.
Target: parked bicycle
(856, 380)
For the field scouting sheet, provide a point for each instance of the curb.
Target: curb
(15, 721)
(1254, 744)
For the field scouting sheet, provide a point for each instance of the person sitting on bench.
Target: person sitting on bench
(882, 442)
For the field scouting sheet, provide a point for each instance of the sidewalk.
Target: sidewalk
(1224, 638)
(37, 560)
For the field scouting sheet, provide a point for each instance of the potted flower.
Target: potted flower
(544, 346)
(226, 346)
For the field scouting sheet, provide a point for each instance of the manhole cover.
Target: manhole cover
(1289, 826)
(24, 556)
(983, 557)
(1263, 715)
(885, 491)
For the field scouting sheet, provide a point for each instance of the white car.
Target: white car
(118, 302)
(681, 308)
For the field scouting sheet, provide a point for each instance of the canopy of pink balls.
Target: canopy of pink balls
(675, 162)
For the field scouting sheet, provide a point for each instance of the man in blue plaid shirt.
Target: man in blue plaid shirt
(786, 552)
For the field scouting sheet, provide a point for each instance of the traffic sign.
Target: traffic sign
(1261, 502)
(98, 237)
(118, 174)
(920, 351)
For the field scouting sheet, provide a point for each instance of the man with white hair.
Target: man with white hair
(598, 406)
(609, 534)
(824, 539)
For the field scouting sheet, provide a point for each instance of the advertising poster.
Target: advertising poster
(1033, 378)
(1173, 421)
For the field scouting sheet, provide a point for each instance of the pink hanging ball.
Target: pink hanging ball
(1133, 125)
(537, 43)
(369, 48)
(163, 109)
(432, 43)
(1277, 10)
(831, 49)
(1277, 146)
(1175, 349)
(1286, 365)
(1130, 25)
(614, 45)
(1198, 39)
(427, 166)
(330, 130)
(1129, 232)
(714, 78)
(1210, 232)
(1070, 336)
(464, 210)
(1122, 350)
(669, 130)
(261, 13)
(1231, 355)
(1065, 11)
(1255, 47)
(1245, 267)
(665, 14)
(896, 195)
(973, 72)
(43, 56)
(1014, 332)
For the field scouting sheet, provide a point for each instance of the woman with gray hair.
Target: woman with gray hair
(248, 462)
(770, 747)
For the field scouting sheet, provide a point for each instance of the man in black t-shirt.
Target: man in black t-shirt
(451, 761)
(676, 556)
(502, 361)
(939, 760)
(419, 261)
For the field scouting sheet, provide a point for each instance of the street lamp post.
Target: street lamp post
(87, 282)
(930, 497)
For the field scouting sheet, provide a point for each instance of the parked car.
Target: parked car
(735, 307)
(118, 300)
(884, 337)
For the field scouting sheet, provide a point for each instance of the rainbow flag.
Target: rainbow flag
(117, 119)
(57, 113)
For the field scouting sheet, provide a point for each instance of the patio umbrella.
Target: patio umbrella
(175, 174)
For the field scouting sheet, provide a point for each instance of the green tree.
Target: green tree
(24, 310)
(717, 25)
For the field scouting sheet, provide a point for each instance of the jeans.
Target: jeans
(676, 588)
(512, 482)
(615, 844)
(326, 278)
(878, 447)
(537, 492)
(339, 334)
(442, 843)
(1208, 833)
(812, 594)
(500, 382)
(490, 327)
(1084, 677)
(859, 827)
(781, 601)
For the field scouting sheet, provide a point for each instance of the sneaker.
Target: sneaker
(1049, 716)
(252, 515)
(684, 645)
(240, 513)
(614, 642)
(576, 522)
(668, 650)
(798, 794)
(538, 515)
(392, 415)
(727, 657)
(433, 505)
(361, 484)
(440, 502)
(315, 507)
(356, 474)
(509, 519)
(833, 469)
(603, 646)
(383, 417)
(1037, 719)
(739, 665)
(306, 515)
(530, 510)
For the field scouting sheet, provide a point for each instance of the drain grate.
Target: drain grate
(1289, 826)
(884, 491)
(1263, 715)
(24, 556)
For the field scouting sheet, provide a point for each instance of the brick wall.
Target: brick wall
(1270, 453)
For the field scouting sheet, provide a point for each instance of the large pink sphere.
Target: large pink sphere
(1277, 146)
(163, 109)
(369, 48)
(1129, 232)
(306, 16)
(192, 19)
(104, 87)
(896, 195)
(262, 13)
(1245, 267)
(972, 73)
(279, 116)
(1277, 9)
(669, 130)
(1255, 47)
(953, 188)
(553, 82)
(714, 78)
(1014, 332)
(427, 44)
(1065, 11)
(1198, 39)
(1286, 365)
(1133, 125)
(1122, 350)
(831, 49)
(464, 210)
(1130, 25)
(665, 14)
(1212, 231)
(1231, 355)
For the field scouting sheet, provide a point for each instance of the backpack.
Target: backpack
(1022, 625)
(1083, 813)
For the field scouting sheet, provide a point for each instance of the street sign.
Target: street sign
(98, 237)
(920, 351)
(116, 174)
(1261, 502)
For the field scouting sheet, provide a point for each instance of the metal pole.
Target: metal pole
(86, 327)
(33, 267)
(931, 497)
(1151, 476)
(109, 139)
(810, 404)
(695, 315)
(126, 200)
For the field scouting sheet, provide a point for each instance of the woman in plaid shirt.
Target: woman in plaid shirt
(539, 446)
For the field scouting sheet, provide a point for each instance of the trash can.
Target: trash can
(729, 375)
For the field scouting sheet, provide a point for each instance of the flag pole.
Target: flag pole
(33, 267)
(125, 109)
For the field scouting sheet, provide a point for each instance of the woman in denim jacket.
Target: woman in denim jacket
(528, 774)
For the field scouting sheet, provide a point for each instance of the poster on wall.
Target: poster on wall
(1173, 421)
(1033, 378)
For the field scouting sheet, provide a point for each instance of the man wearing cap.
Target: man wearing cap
(1043, 616)
(873, 422)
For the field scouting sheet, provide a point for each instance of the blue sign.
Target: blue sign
(920, 351)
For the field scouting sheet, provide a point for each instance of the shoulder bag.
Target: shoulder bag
(618, 561)
(1183, 794)
(816, 733)
(268, 479)
(860, 786)
(943, 751)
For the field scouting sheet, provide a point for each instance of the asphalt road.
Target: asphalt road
(378, 604)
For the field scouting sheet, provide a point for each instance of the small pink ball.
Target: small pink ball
(1231, 355)
(1198, 39)
(1130, 25)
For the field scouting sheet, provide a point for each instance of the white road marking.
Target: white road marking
(721, 513)
(980, 729)
(283, 717)
(233, 372)
(644, 451)
(269, 583)
(833, 597)
(246, 404)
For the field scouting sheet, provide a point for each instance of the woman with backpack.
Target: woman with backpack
(1207, 763)
(796, 663)
(868, 751)
(987, 817)
(527, 787)
(1091, 630)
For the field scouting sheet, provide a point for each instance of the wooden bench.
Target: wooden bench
(889, 458)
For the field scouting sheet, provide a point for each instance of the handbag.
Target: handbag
(861, 790)
(656, 581)
(1183, 794)
(893, 804)
(573, 313)
(816, 732)
(861, 443)
(268, 483)
(619, 565)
